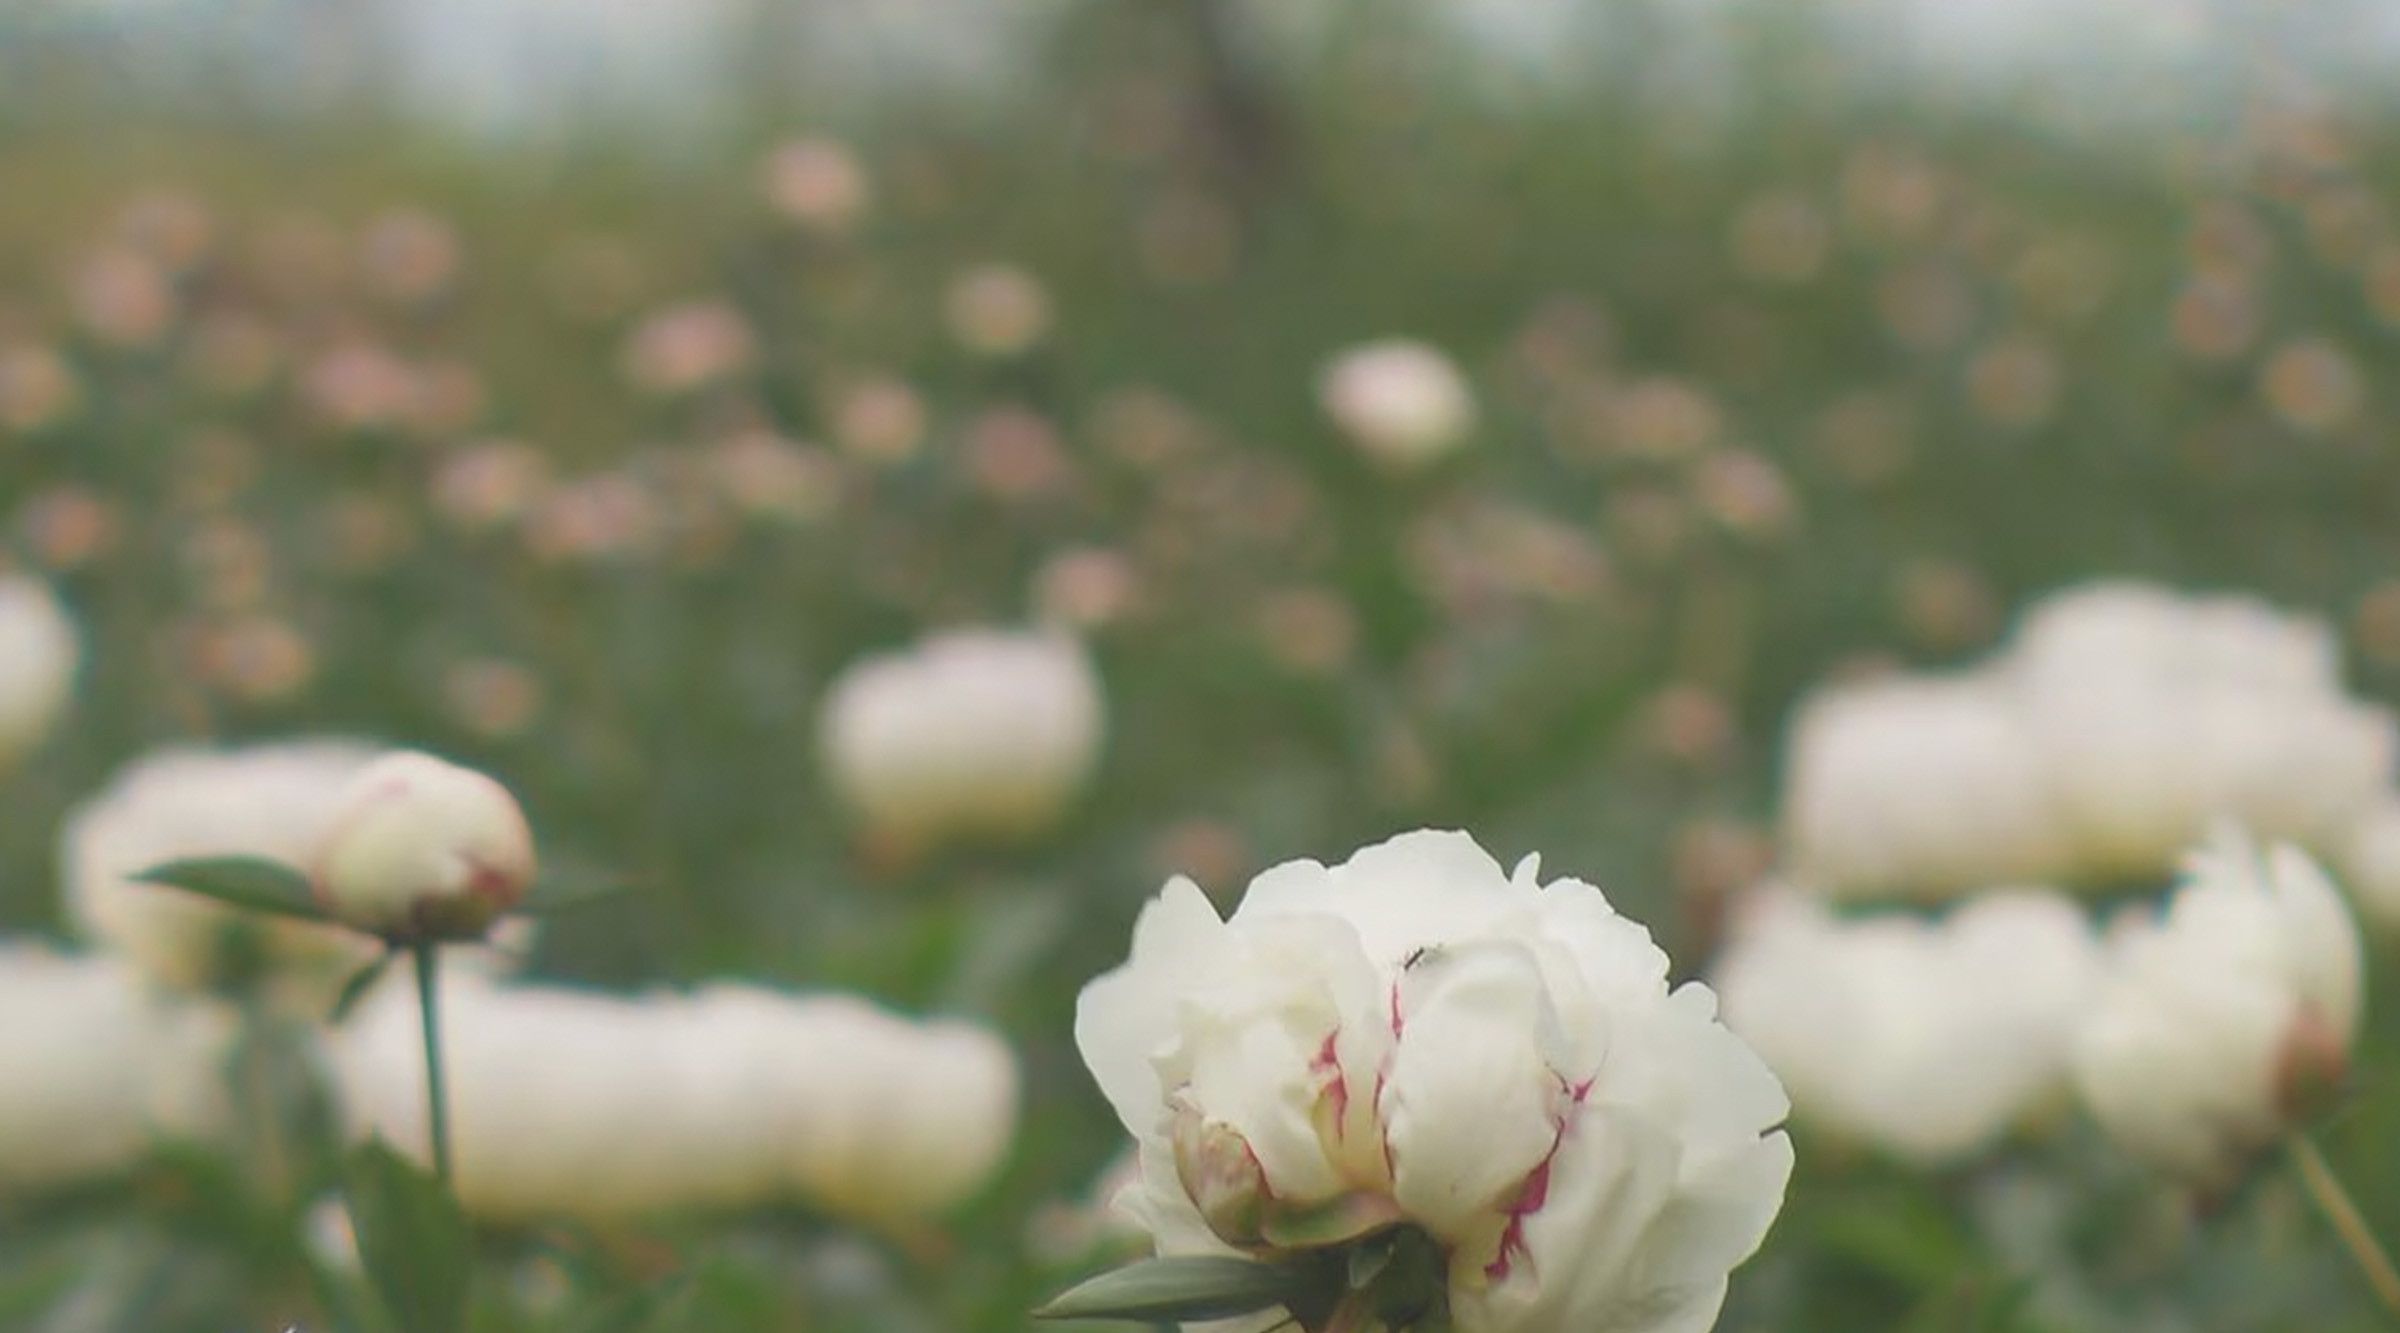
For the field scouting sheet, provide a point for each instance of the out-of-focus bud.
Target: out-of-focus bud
(39, 649)
(689, 347)
(420, 847)
(818, 184)
(974, 733)
(2226, 1020)
(1400, 401)
(997, 310)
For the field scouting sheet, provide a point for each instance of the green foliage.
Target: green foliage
(251, 883)
(1185, 1289)
(412, 1240)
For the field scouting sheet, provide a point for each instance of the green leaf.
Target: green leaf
(412, 1240)
(249, 882)
(1182, 1289)
(360, 982)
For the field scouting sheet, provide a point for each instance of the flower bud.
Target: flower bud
(968, 735)
(424, 848)
(1402, 403)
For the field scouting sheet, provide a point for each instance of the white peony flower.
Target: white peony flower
(95, 1068)
(1918, 787)
(1415, 1036)
(272, 801)
(2227, 1016)
(1400, 401)
(970, 733)
(39, 650)
(571, 1103)
(2115, 730)
(1928, 1039)
(417, 845)
(2151, 632)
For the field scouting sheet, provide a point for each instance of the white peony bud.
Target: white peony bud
(271, 801)
(1918, 787)
(1402, 402)
(420, 847)
(1417, 1036)
(94, 1067)
(568, 1103)
(1926, 1039)
(2226, 1019)
(969, 734)
(39, 649)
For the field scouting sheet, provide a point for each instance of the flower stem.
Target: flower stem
(2325, 1189)
(437, 1103)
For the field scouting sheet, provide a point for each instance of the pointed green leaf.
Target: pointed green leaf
(249, 882)
(360, 982)
(412, 1240)
(1182, 1289)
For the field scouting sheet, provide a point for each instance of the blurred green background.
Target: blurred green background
(334, 396)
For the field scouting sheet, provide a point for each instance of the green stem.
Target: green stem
(2325, 1189)
(437, 1102)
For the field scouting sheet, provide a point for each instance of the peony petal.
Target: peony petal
(1124, 1018)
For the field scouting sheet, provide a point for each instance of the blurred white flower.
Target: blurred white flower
(996, 310)
(2118, 725)
(1402, 402)
(1417, 1036)
(271, 801)
(2228, 1017)
(39, 650)
(877, 1117)
(95, 1067)
(420, 846)
(970, 733)
(1927, 1039)
(576, 1104)
(2367, 858)
(2150, 631)
(1917, 787)
(2160, 713)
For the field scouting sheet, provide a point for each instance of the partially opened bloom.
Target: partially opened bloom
(270, 801)
(970, 733)
(95, 1068)
(1927, 1039)
(39, 649)
(2226, 1019)
(1415, 1037)
(418, 846)
(572, 1103)
(1401, 402)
